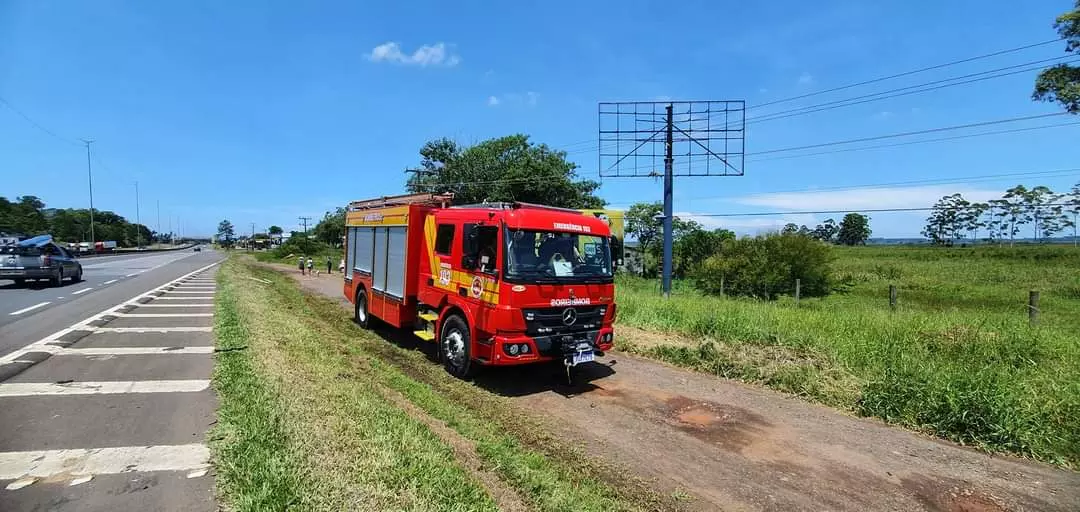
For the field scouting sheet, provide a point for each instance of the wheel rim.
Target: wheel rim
(361, 310)
(454, 347)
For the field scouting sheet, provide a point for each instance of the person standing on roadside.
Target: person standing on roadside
(301, 265)
(310, 266)
(329, 265)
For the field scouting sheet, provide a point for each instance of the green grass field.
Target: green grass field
(318, 414)
(957, 359)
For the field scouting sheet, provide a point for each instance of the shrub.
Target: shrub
(767, 266)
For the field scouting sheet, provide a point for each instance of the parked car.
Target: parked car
(198, 248)
(39, 258)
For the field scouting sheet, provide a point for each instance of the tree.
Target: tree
(826, 231)
(275, 230)
(767, 266)
(503, 169)
(972, 219)
(694, 246)
(854, 229)
(1073, 208)
(1061, 83)
(331, 228)
(226, 232)
(644, 221)
(789, 228)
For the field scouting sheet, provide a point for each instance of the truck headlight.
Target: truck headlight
(513, 349)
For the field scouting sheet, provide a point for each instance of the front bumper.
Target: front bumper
(549, 348)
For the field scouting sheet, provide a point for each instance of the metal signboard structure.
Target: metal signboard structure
(644, 139)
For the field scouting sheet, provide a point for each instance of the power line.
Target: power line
(37, 125)
(931, 181)
(906, 134)
(833, 212)
(906, 73)
(909, 90)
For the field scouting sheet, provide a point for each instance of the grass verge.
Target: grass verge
(333, 378)
(957, 359)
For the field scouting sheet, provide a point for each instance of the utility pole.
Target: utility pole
(138, 221)
(305, 221)
(252, 242)
(159, 219)
(668, 183)
(90, 178)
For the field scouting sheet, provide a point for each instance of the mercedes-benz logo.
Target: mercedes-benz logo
(569, 316)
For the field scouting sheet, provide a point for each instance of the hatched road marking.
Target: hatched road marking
(162, 315)
(97, 461)
(149, 329)
(102, 388)
(200, 305)
(84, 325)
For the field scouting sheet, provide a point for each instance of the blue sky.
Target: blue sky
(265, 111)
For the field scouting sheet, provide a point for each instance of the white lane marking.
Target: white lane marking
(84, 290)
(60, 297)
(131, 274)
(99, 461)
(83, 325)
(81, 480)
(147, 329)
(110, 282)
(181, 298)
(31, 308)
(163, 315)
(194, 287)
(185, 305)
(204, 292)
(102, 387)
(132, 351)
(20, 483)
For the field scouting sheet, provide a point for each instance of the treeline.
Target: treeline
(28, 216)
(717, 262)
(1040, 209)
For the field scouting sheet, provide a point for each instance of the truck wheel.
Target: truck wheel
(360, 310)
(454, 344)
(58, 279)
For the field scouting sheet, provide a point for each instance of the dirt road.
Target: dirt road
(731, 446)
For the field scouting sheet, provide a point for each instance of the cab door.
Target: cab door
(481, 264)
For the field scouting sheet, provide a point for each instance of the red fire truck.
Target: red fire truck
(492, 284)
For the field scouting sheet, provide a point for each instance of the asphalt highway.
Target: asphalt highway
(105, 396)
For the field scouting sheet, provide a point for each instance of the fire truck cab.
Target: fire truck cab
(492, 284)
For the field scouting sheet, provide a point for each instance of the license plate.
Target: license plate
(583, 357)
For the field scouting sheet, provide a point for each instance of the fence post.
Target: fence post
(892, 297)
(1033, 307)
(798, 287)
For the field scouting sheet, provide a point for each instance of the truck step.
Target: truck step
(429, 316)
(425, 335)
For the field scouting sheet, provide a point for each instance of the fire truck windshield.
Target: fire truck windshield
(556, 256)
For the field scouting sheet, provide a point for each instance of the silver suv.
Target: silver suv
(39, 258)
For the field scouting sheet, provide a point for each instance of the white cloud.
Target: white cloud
(806, 78)
(865, 198)
(749, 225)
(884, 114)
(436, 54)
(529, 98)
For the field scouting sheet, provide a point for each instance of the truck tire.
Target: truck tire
(360, 310)
(454, 346)
(58, 279)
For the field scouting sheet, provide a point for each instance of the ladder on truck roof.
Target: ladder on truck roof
(441, 200)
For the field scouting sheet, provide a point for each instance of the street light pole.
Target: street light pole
(138, 219)
(90, 178)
